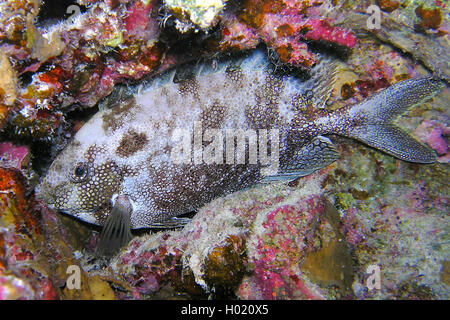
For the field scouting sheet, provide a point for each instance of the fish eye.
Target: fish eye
(80, 172)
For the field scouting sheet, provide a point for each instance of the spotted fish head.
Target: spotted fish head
(81, 182)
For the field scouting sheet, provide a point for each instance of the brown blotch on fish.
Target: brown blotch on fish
(189, 86)
(131, 143)
(347, 91)
(112, 118)
(234, 73)
(213, 116)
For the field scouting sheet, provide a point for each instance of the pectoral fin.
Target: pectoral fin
(116, 231)
(316, 155)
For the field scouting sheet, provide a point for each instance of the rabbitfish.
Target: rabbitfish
(172, 144)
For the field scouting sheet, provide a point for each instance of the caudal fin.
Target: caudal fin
(376, 114)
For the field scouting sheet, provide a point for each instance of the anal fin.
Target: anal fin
(173, 222)
(317, 154)
(116, 230)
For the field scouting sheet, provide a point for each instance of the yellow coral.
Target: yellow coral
(8, 80)
(201, 13)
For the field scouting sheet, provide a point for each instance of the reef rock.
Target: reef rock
(250, 245)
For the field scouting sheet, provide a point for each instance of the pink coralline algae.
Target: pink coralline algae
(284, 26)
(435, 134)
(14, 156)
(150, 268)
(288, 234)
(321, 30)
(353, 230)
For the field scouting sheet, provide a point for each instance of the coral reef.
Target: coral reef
(198, 13)
(431, 18)
(285, 26)
(314, 238)
(407, 26)
(14, 156)
(21, 275)
(402, 231)
(89, 56)
(78, 61)
(34, 253)
(388, 5)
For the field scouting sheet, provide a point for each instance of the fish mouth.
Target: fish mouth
(64, 211)
(68, 212)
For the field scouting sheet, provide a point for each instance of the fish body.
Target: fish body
(128, 155)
